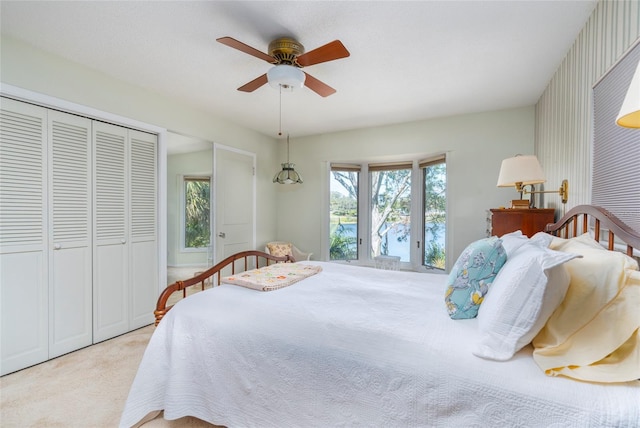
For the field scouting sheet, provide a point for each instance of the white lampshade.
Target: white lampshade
(286, 77)
(629, 116)
(520, 169)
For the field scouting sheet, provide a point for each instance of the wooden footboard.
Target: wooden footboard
(238, 262)
(585, 218)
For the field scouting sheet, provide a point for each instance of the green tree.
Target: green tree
(390, 202)
(342, 247)
(435, 200)
(197, 213)
(343, 206)
(390, 207)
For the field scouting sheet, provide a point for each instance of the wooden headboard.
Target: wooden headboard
(589, 218)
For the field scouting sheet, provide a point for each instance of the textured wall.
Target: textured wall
(564, 113)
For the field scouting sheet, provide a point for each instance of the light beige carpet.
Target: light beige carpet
(86, 388)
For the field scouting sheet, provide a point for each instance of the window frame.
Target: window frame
(386, 167)
(416, 236)
(346, 168)
(424, 163)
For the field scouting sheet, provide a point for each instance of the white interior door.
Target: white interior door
(234, 201)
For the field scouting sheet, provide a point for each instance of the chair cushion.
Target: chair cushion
(280, 249)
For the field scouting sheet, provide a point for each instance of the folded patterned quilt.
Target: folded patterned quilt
(272, 277)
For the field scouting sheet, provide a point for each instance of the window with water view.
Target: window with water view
(391, 216)
(343, 213)
(391, 210)
(435, 213)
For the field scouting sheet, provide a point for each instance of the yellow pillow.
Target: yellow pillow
(280, 249)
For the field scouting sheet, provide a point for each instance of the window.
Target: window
(405, 216)
(343, 212)
(196, 212)
(390, 205)
(434, 173)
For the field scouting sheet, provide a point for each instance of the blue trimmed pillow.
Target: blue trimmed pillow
(472, 275)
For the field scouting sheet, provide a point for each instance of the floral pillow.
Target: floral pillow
(472, 275)
(280, 249)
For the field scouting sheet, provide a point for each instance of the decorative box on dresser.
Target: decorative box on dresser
(529, 220)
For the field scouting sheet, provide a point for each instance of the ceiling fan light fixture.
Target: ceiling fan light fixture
(287, 77)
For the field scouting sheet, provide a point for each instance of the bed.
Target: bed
(357, 346)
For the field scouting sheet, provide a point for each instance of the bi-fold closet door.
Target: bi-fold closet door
(78, 244)
(125, 245)
(70, 223)
(24, 242)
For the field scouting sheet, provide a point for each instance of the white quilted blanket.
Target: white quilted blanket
(351, 346)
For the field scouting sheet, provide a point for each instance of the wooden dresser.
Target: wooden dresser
(529, 221)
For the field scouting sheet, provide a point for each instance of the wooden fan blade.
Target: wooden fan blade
(233, 43)
(317, 86)
(328, 52)
(254, 84)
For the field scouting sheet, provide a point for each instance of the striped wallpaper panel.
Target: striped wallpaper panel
(564, 112)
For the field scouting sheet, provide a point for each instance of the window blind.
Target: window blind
(390, 166)
(434, 160)
(616, 150)
(345, 167)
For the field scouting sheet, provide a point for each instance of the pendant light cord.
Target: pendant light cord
(280, 127)
(287, 147)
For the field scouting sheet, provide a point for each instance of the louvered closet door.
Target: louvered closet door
(23, 240)
(110, 246)
(144, 252)
(70, 290)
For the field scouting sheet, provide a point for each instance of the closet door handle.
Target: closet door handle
(57, 246)
(222, 234)
(123, 241)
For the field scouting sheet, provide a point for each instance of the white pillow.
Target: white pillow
(512, 241)
(524, 294)
(542, 238)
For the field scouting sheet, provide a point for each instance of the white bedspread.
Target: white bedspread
(351, 346)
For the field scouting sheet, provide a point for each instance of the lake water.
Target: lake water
(395, 247)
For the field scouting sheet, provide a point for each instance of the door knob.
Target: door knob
(222, 234)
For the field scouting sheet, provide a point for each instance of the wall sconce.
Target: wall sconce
(629, 116)
(520, 171)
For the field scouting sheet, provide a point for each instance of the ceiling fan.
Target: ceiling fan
(289, 58)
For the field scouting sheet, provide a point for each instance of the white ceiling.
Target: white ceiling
(409, 60)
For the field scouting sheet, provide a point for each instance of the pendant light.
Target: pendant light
(288, 175)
